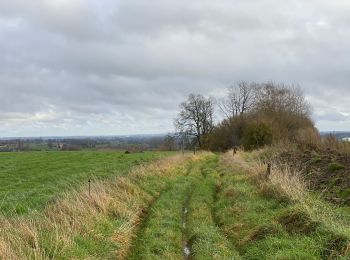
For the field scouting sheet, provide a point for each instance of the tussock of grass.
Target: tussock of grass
(316, 159)
(297, 222)
(261, 232)
(267, 190)
(80, 226)
(337, 246)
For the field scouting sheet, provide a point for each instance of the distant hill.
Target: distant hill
(123, 142)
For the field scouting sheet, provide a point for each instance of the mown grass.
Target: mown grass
(276, 218)
(29, 180)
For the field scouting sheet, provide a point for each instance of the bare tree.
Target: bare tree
(277, 98)
(196, 117)
(169, 143)
(240, 99)
(283, 107)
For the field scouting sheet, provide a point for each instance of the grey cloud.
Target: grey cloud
(104, 67)
(331, 116)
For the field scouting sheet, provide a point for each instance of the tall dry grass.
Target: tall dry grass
(290, 183)
(50, 233)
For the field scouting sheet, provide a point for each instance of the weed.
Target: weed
(334, 166)
(316, 159)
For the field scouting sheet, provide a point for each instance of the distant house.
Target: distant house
(346, 139)
(4, 148)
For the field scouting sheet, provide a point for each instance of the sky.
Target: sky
(113, 67)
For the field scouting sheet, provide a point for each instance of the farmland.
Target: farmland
(207, 206)
(29, 180)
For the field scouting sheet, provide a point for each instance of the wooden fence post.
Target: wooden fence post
(89, 187)
(182, 147)
(234, 150)
(268, 170)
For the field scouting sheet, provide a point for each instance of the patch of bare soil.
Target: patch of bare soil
(327, 172)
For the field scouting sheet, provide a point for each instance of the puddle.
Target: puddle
(184, 217)
(187, 251)
(186, 246)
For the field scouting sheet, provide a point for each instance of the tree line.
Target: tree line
(255, 115)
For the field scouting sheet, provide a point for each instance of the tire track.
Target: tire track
(162, 234)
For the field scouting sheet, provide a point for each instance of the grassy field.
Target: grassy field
(29, 180)
(206, 206)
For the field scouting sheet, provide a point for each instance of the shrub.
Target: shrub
(308, 138)
(257, 136)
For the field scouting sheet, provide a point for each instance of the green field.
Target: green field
(29, 180)
(204, 206)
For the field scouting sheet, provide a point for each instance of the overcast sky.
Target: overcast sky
(107, 67)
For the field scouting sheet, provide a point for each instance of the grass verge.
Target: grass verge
(275, 218)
